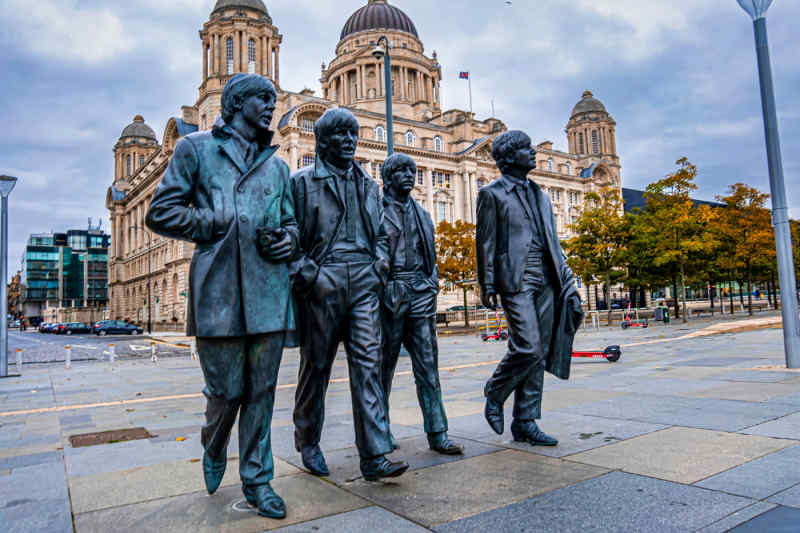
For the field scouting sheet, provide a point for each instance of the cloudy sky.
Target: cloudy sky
(679, 77)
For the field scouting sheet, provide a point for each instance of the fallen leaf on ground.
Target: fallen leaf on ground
(180, 439)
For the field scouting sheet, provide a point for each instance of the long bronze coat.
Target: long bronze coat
(208, 196)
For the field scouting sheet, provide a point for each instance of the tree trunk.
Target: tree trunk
(711, 296)
(730, 292)
(608, 295)
(741, 294)
(683, 293)
(675, 297)
(466, 308)
(749, 289)
(774, 291)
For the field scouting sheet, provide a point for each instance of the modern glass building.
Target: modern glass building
(65, 270)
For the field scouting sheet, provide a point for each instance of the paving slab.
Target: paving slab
(738, 518)
(441, 494)
(757, 376)
(783, 393)
(21, 461)
(760, 478)
(789, 498)
(344, 465)
(575, 433)
(616, 502)
(683, 455)
(226, 511)
(787, 427)
(722, 415)
(102, 491)
(778, 520)
(367, 520)
(34, 499)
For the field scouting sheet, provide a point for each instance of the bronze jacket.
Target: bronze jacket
(207, 196)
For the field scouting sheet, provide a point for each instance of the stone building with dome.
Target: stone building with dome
(452, 147)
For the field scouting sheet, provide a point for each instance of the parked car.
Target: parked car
(109, 327)
(52, 327)
(73, 327)
(43, 327)
(14, 324)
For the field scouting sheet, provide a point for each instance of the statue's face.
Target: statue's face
(403, 180)
(340, 145)
(257, 111)
(524, 158)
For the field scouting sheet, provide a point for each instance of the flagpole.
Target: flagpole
(470, 92)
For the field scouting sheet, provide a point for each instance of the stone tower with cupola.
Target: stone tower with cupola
(356, 79)
(591, 130)
(136, 144)
(239, 37)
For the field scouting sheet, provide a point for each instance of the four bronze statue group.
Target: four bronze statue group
(324, 257)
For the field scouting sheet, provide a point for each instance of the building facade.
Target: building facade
(64, 271)
(452, 148)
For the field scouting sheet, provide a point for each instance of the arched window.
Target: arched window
(129, 165)
(550, 164)
(307, 124)
(380, 134)
(438, 145)
(569, 169)
(251, 56)
(229, 54)
(595, 142)
(580, 143)
(411, 138)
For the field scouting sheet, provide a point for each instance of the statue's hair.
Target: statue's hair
(507, 143)
(392, 163)
(332, 120)
(241, 87)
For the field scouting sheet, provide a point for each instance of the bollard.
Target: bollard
(112, 353)
(193, 349)
(153, 356)
(19, 361)
(68, 360)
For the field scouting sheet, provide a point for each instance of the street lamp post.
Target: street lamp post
(7, 184)
(757, 9)
(385, 53)
(149, 247)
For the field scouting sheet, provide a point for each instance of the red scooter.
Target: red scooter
(627, 322)
(500, 334)
(612, 354)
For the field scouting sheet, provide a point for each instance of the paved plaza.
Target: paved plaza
(686, 433)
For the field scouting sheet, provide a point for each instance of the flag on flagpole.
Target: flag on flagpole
(463, 75)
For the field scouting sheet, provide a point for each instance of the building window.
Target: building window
(380, 134)
(129, 165)
(558, 195)
(440, 179)
(442, 211)
(569, 169)
(552, 195)
(229, 54)
(141, 161)
(580, 143)
(420, 177)
(251, 56)
(438, 146)
(308, 160)
(411, 139)
(447, 181)
(307, 125)
(595, 142)
(550, 164)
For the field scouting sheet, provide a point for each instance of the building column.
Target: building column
(473, 188)
(429, 196)
(205, 60)
(237, 49)
(381, 77)
(245, 53)
(403, 83)
(362, 82)
(214, 45)
(293, 156)
(268, 60)
(458, 212)
(277, 66)
(468, 194)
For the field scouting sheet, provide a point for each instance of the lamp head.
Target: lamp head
(378, 53)
(7, 184)
(755, 8)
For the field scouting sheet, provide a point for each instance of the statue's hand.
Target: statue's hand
(489, 299)
(281, 248)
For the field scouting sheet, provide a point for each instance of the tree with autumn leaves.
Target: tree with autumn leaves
(598, 250)
(455, 250)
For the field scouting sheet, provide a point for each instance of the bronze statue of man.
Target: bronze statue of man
(227, 192)
(521, 260)
(337, 278)
(408, 313)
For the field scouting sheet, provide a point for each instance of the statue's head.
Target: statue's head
(252, 97)
(514, 153)
(398, 173)
(337, 136)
